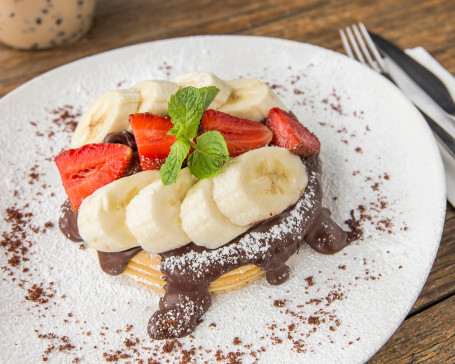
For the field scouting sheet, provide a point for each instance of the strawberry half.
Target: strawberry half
(85, 169)
(241, 135)
(289, 133)
(153, 142)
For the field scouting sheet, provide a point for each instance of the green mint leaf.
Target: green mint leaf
(209, 155)
(171, 168)
(208, 95)
(185, 109)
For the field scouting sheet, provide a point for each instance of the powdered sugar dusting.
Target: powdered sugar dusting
(331, 309)
(251, 246)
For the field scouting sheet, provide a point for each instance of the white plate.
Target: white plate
(377, 152)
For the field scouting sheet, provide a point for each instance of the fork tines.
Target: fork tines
(359, 45)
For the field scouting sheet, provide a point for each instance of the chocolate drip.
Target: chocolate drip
(326, 237)
(123, 137)
(127, 139)
(68, 222)
(278, 276)
(115, 263)
(134, 166)
(189, 270)
(180, 312)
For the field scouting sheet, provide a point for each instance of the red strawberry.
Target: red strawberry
(241, 135)
(153, 142)
(85, 169)
(289, 133)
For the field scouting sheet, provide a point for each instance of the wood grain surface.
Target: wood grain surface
(428, 334)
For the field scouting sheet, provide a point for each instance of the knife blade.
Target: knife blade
(427, 80)
(444, 138)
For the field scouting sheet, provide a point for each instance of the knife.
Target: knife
(444, 138)
(430, 83)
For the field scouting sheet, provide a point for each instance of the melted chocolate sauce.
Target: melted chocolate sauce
(115, 263)
(134, 166)
(124, 137)
(68, 222)
(127, 139)
(189, 270)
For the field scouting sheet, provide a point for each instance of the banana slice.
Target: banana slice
(203, 79)
(259, 184)
(155, 96)
(204, 224)
(101, 216)
(250, 99)
(153, 216)
(107, 114)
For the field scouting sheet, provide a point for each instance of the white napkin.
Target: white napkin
(414, 92)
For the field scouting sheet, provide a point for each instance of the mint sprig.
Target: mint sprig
(171, 168)
(209, 155)
(208, 94)
(186, 108)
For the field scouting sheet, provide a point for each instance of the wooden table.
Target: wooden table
(428, 333)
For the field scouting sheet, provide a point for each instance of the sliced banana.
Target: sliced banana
(203, 79)
(101, 216)
(109, 113)
(204, 224)
(155, 96)
(250, 99)
(259, 184)
(153, 216)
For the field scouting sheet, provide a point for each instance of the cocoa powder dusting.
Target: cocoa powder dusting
(17, 241)
(56, 343)
(66, 118)
(37, 294)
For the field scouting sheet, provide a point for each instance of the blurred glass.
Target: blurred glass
(40, 24)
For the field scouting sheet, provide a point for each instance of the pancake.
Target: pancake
(144, 268)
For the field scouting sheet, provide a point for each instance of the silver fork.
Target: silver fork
(359, 46)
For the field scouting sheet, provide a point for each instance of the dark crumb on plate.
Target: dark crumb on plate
(309, 281)
(279, 303)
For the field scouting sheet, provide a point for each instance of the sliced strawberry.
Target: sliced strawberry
(85, 169)
(289, 133)
(153, 142)
(241, 135)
